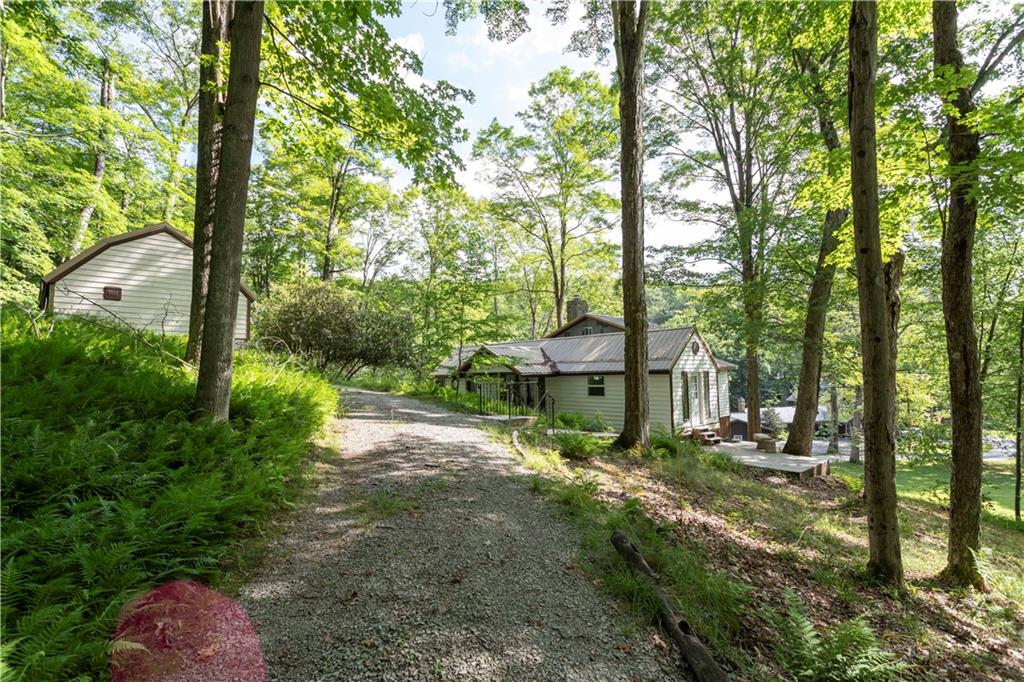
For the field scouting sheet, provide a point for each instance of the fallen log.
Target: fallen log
(515, 443)
(696, 655)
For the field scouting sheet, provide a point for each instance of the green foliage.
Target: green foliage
(109, 488)
(581, 422)
(334, 328)
(771, 422)
(578, 445)
(847, 652)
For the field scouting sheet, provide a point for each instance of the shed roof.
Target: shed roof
(102, 245)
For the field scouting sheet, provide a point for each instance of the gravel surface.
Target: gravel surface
(424, 556)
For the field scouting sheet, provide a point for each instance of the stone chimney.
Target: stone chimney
(741, 404)
(574, 308)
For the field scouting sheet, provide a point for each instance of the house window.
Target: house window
(111, 293)
(595, 385)
(586, 331)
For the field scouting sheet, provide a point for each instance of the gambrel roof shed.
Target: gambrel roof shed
(142, 278)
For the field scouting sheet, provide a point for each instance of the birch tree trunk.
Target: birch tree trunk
(629, 19)
(99, 163)
(213, 391)
(958, 235)
(216, 33)
(885, 561)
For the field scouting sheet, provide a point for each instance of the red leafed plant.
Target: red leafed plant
(185, 631)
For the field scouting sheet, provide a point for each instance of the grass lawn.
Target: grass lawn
(759, 561)
(931, 483)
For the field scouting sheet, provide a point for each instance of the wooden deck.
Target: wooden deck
(746, 453)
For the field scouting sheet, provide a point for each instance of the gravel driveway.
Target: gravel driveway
(424, 555)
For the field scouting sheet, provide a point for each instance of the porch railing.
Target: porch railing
(514, 399)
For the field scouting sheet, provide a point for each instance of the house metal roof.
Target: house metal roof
(598, 353)
(610, 320)
(458, 356)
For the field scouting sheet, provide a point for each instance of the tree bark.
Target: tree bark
(630, 18)
(330, 230)
(958, 234)
(99, 163)
(855, 426)
(213, 391)
(833, 415)
(885, 561)
(801, 432)
(752, 305)
(1020, 409)
(216, 33)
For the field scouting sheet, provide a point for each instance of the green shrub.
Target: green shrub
(847, 652)
(333, 328)
(570, 420)
(581, 422)
(109, 488)
(577, 445)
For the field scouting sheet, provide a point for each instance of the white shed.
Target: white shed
(143, 278)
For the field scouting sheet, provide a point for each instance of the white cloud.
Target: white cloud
(413, 42)
(518, 96)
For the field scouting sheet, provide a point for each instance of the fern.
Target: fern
(847, 652)
(109, 488)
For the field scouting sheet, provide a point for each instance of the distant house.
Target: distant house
(581, 366)
(738, 419)
(142, 278)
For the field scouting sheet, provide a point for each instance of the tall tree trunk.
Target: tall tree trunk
(216, 33)
(958, 234)
(630, 23)
(855, 426)
(885, 560)
(330, 230)
(833, 417)
(752, 306)
(99, 163)
(1020, 409)
(801, 432)
(213, 390)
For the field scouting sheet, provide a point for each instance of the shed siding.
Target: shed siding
(155, 277)
(570, 394)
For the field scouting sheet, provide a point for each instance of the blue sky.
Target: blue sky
(500, 74)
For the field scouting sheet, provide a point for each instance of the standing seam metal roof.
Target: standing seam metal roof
(597, 353)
